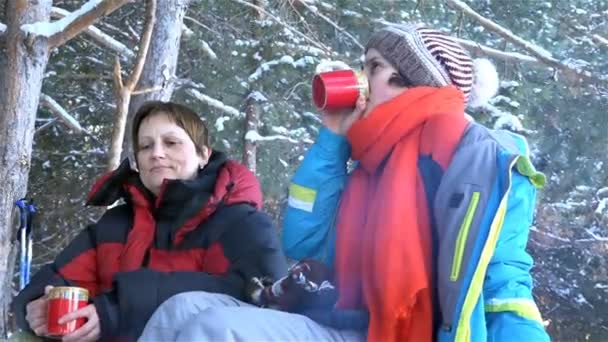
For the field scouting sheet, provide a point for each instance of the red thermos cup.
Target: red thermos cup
(63, 300)
(338, 89)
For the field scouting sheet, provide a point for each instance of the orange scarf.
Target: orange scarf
(383, 248)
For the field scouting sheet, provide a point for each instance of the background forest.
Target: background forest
(246, 67)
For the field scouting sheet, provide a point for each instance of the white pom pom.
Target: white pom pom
(485, 83)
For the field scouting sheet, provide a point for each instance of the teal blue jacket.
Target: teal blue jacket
(482, 207)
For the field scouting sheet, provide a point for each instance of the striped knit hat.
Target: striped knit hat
(425, 57)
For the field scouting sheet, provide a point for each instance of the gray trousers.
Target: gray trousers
(203, 316)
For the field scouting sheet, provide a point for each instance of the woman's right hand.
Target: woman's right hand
(36, 313)
(340, 121)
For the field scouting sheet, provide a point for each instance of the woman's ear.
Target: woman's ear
(204, 155)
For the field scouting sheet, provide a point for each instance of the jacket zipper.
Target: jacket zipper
(462, 236)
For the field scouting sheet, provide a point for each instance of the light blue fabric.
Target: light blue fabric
(311, 234)
(206, 316)
(508, 274)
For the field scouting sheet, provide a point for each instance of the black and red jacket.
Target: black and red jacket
(205, 234)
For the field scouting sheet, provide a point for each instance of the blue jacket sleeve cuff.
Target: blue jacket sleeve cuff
(332, 145)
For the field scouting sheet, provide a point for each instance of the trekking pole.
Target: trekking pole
(29, 232)
(26, 215)
(22, 205)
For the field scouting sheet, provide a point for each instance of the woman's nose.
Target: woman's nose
(158, 151)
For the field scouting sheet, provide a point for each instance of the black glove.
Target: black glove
(308, 285)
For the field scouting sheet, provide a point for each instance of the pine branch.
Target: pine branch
(538, 52)
(254, 136)
(319, 45)
(331, 22)
(98, 36)
(504, 55)
(79, 20)
(215, 103)
(61, 113)
(599, 40)
(147, 90)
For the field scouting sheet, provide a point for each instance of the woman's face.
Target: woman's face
(166, 152)
(379, 71)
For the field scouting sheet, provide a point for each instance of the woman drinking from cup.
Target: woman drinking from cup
(425, 237)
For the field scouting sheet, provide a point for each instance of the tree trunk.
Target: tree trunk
(23, 60)
(252, 110)
(251, 124)
(158, 74)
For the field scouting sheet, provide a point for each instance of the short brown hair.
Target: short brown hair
(181, 115)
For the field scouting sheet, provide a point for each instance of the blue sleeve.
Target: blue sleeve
(314, 195)
(511, 313)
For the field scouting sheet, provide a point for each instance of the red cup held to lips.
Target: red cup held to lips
(338, 89)
(63, 300)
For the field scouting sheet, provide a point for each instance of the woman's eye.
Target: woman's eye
(145, 147)
(171, 142)
(373, 66)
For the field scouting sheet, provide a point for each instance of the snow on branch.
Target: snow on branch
(290, 28)
(283, 60)
(599, 40)
(2, 28)
(488, 51)
(559, 238)
(98, 36)
(254, 136)
(208, 50)
(215, 103)
(331, 22)
(311, 50)
(536, 51)
(595, 236)
(68, 27)
(61, 113)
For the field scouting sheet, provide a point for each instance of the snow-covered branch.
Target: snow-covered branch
(71, 25)
(198, 23)
(506, 120)
(559, 238)
(254, 136)
(2, 28)
(536, 51)
(98, 36)
(602, 206)
(61, 113)
(283, 60)
(290, 28)
(596, 237)
(215, 103)
(488, 51)
(599, 40)
(311, 50)
(146, 90)
(331, 22)
(208, 50)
